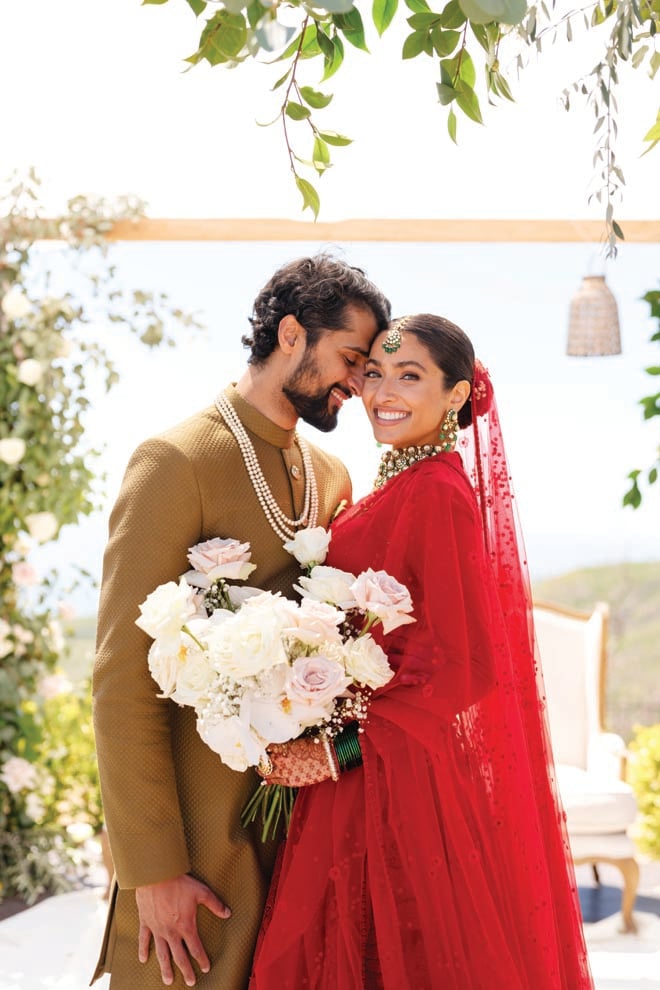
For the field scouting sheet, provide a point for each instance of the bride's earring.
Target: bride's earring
(449, 431)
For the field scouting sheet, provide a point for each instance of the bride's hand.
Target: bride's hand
(298, 763)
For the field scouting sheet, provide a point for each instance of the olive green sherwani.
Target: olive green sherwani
(170, 805)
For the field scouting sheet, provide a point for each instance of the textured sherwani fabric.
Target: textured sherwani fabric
(170, 804)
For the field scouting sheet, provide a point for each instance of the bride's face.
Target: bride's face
(404, 393)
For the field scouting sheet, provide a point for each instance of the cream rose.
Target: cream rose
(164, 663)
(42, 526)
(18, 774)
(381, 595)
(309, 546)
(232, 738)
(15, 304)
(316, 681)
(218, 558)
(30, 372)
(316, 622)
(329, 584)
(250, 641)
(367, 663)
(12, 450)
(165, 611)
(194, 677)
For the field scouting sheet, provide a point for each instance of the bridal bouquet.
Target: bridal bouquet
(259, 668)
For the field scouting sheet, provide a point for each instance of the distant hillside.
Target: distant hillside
(633, 593)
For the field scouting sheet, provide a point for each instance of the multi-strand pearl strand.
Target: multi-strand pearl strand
(285, 527)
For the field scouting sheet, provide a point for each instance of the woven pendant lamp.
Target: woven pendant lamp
(593, 326)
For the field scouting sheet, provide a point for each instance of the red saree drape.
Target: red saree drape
(443, 861)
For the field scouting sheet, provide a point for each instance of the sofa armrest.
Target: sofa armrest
(607, 755)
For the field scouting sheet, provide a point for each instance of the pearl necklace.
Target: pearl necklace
(397, 460)
(282, 525)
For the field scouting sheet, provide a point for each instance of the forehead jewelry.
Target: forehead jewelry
(393, 338)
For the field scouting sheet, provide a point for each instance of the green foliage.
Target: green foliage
(644, 777)
(50, 357)
(465, 37)
(651, 406)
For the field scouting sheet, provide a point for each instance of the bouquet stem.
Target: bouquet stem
(269, 803)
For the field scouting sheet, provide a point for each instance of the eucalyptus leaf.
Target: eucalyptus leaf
(444, 41)
(296, 111)
(339, 140)
(223, 37)
(451, 125)
(382, 13)
(423, 21)
(414, 44)
(417, 5)
(197, 6)
(467, 100)
(352, 28)
(314, 98)
(446, 94)
(310, 196)
(452, 15)
(333, 63)
(154, 2)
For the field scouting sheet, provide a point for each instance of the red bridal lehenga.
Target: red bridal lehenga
(442, 863)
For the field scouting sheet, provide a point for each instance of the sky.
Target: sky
(106, 108)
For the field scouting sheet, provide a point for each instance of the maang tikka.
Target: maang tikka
(393, 338)
(449, 431)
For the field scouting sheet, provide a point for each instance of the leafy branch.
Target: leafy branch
(651, 406)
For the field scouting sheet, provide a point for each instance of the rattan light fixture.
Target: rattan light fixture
(593, 326)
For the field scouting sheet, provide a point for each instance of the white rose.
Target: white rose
(24, 575)
(194, 677)
(53, 685)
(250, 641)
(379, 594)
(367, 663)
(237, 745)
(15, 304)
(316, 681)
(42, 526)
(329, 584)
(164, 663)
(275, 720)
(18, 774)
(30, 372)
(165, 611)
(218, 558)
(309, 546)
(12, 450)
(316, 622)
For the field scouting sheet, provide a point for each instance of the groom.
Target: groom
(234, 470)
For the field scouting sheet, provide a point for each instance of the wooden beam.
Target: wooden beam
(479, 231)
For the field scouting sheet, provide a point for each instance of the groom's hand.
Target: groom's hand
(168, 914)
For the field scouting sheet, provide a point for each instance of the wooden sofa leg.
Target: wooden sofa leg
(630, 871)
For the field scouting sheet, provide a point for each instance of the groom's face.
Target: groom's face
(331, 370)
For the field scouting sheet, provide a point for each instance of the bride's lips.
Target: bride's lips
(390, 417)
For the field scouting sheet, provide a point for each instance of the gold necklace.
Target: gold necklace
(395, 461)
(285, 527)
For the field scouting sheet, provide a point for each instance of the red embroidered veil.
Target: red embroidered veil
(443, 861)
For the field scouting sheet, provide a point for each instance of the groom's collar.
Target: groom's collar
(256, 422)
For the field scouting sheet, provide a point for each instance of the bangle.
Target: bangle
(347, 748)
(332, 759)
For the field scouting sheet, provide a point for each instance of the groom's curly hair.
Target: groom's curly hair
(316, 291)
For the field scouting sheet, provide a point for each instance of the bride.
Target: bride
(432, 853)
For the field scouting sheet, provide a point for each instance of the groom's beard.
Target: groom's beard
(311, 406)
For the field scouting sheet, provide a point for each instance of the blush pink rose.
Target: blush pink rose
(381, 595)
(219, 558)
(316, 680)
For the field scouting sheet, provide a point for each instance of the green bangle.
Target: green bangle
(347, 748)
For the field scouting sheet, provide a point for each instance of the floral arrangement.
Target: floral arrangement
(259, 668)
(59, 306)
